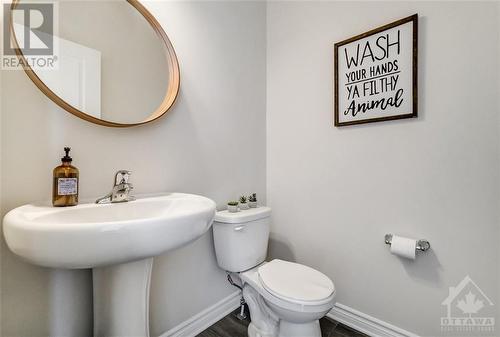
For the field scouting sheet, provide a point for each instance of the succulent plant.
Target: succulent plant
(243, 199)
(252, 197)
(232, 203)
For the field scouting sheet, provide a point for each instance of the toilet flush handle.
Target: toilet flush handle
(239, 228)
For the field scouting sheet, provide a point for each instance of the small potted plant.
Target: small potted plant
(232, 206)
(243, 202)
(252, 200)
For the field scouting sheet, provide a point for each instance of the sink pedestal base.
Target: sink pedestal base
(121, 299)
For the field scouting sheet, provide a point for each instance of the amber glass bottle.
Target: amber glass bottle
(65, 186)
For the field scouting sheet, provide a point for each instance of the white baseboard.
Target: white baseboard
(357, 320)
(366, 324)
(206, 318)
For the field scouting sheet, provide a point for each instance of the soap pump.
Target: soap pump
(65, 184)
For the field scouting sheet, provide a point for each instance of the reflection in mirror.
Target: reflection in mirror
(112, 64)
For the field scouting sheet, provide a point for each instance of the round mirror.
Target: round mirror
(112, 62)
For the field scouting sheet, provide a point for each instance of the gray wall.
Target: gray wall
(211, 143)
(335, 192)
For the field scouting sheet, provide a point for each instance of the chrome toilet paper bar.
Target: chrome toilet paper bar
(422, 245)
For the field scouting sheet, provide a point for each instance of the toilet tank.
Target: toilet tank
(241, 238)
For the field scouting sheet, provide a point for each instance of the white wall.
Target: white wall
(335, 192)
(212, 143)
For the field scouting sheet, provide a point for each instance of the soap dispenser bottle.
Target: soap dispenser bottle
(65, 186)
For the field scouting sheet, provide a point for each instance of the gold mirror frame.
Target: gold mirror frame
(173, 66)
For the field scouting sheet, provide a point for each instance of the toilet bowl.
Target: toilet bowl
(287, 308)
(285, 299)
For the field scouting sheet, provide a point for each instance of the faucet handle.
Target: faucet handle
(122, 177)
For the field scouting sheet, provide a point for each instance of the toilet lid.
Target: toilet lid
(295, 281)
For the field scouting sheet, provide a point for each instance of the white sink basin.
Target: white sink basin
(91, 235)
(118, 241)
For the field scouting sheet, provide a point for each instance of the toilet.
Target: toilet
(285, 299)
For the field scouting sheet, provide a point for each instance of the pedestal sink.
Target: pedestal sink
(118, 241)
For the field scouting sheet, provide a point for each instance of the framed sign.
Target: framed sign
(376, 74)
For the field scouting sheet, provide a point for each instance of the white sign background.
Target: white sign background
(375, 76)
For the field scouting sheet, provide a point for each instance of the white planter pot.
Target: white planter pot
(232, 209)
(243, 206)
(252, 204)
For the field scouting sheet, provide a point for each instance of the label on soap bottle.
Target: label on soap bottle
(67, 186)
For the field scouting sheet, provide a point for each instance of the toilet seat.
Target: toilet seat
(295, 282)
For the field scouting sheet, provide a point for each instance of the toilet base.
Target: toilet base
(288, 329)
(253, 331)
(266, 323)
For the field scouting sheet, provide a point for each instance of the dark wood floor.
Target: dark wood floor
(231, 326)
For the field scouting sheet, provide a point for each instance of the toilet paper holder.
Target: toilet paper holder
(422, 245)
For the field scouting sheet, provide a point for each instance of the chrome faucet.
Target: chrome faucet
(121, 189)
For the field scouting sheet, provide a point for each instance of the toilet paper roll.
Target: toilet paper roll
(403, 247)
